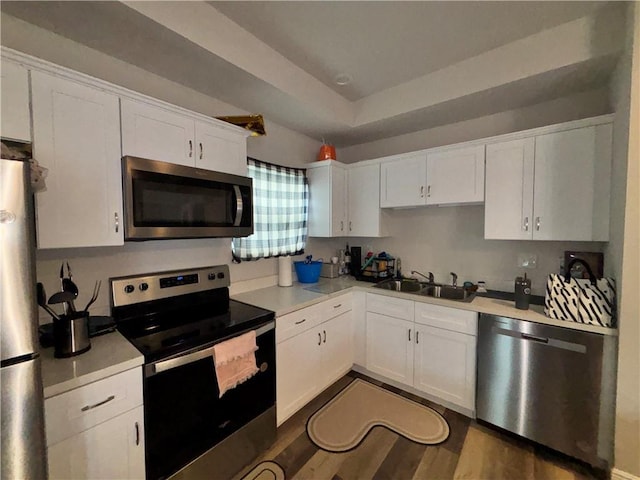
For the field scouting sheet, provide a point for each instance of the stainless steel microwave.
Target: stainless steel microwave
(163, 201)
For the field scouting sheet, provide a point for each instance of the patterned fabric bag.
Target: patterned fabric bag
(591, 301)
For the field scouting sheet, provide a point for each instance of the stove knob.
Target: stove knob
(143, 287)
(211, 276)
(220, 274)
(129, 289)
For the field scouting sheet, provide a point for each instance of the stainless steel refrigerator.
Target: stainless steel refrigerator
(23, 438)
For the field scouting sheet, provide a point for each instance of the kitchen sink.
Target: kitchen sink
(448, 292)
(409, 286)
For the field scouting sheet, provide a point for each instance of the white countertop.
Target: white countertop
(109, 354)
(283, 300)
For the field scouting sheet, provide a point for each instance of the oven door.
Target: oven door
(184, 417)
(163, 200)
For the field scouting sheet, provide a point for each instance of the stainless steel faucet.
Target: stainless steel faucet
(455, 279)
(430, 278)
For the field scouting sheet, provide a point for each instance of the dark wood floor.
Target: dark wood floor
(472, 451)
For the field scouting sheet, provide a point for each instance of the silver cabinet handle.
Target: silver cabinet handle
(421, 191)
(117, 221)
(95, 405)
(190, 148)
(537, 223)
(319, 339)
(349, 225)
(428, 190)
(409, 334)
(201, 150)
(526, 224)
(137, 434)
(417, 336)
(337, 306)
(301, 321)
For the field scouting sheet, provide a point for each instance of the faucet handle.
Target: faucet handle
(431, 278)
(455, 279)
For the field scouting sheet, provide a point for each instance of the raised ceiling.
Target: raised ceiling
(414, 65)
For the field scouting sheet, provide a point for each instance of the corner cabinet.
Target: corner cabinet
(438, 177)
(97, 431)
(554, 186)
(76, 136)
(344, 200)
(159, 133)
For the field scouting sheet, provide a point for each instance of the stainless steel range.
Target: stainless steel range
(175, 318)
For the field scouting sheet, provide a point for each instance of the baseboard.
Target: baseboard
(617, 474)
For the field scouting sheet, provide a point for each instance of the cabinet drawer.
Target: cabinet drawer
(297, 322)
(336, 306)
(453, 319)
(390, 306)
(75, 411)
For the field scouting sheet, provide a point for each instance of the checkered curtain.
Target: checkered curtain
(280, 206)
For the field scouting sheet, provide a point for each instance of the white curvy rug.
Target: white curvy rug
(266, 470)
(345, 420)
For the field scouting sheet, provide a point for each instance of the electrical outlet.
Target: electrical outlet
(527, 260)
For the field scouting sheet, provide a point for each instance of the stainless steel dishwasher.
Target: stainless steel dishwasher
(549, 384)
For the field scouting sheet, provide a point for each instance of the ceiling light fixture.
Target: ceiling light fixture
(343, 79)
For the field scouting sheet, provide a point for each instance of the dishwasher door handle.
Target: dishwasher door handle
(535, 338)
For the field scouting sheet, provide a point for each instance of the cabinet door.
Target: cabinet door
(456, 176)
(220, 150)
(76, 133)
(327, 200)
(15, 119)
(297, 361)
(112, 449)
(402, 181)
(445, 365)
(572, 178)
(337, 351)
(390, 347)
(508, 204)
(364, 201)
(157, 134)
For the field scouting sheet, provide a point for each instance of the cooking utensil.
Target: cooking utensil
(60, 297)
(68, 285)
(42, 301)
(94, 297)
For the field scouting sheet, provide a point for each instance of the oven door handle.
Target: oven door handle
(162, 366)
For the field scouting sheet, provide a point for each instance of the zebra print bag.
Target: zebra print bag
(591, 301)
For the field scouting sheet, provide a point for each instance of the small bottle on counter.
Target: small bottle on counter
(347, 261)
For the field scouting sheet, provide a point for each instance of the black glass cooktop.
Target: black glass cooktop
(163, 334)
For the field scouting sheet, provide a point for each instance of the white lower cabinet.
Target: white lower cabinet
(317, 354)
(97, 431)
(432, 350)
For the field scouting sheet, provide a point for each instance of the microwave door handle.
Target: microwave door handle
(239, 206)
(164, 365)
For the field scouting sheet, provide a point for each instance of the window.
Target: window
(280, 206)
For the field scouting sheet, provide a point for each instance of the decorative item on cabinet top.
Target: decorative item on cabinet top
(253, 123)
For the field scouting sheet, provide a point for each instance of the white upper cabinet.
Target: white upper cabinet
(158, 133)
(508, 204)
(14, 83)
(403, 181)
(344, 201)
(76, 135)
(554, 186)
(327, 199)
(365, 217)
(220, 150)
(455, 176)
